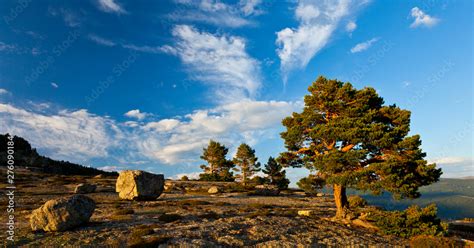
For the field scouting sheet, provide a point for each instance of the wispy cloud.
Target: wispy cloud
(70, 18)
(79, 135)
(111, 6)
(218, 60)
(54, 85)
(217, 13)
(4, 47)
(3, 91)
(422, 19)
(101, 41)
(75, 135)
(364, 45)
(317, 22)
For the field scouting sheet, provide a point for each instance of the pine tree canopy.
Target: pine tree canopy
(353, 140)
(215, 155)
(246, 162)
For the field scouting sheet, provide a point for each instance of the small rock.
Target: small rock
(320, 194)
(85, 188)
(267, 190)
(62, 214)
(213, 190)
(305, 212)
(139, 185)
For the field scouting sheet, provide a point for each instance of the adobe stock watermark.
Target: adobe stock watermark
(434, 79)
(372, 61)
(117, 71)
(57, 51)
(10, 190)
(16, 11)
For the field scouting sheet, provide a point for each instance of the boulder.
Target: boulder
(139, 185)
(62, 214)
(267, 190)
(305, 212)
(85, 188)
(213, 190)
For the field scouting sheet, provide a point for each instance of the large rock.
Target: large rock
(139, 185)
(213, 190)
(267, 190)
(62, 214)
(85, 188)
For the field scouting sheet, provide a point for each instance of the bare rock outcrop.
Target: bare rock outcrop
(62, 214)
(85, 188)
(139, 185)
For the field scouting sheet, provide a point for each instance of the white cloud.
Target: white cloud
(111, 168)
(455, 167)
(147, 49)
(422, 19)
(75, 135)
(249, 7)
(111, 6)
(306, 12)
(54, 85)
(217, 13)
(182, 139)
(80, 136)
(449, 160)
(317, 22)
(363, 45)
(101, 41)
(218, 60)
(135, 113)
(351, 26)
(190, 175)
(70, 18)
(3, 91)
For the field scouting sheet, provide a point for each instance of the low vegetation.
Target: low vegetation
(410, 222)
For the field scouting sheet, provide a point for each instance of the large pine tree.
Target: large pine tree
(353, 140)
(246, 163)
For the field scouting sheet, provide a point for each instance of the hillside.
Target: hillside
(454, 198)
(28, 157)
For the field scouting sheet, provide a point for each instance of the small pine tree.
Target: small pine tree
(276, 174)
(218, 167)
(246, 163)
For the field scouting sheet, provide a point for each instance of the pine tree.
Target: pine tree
(246, 163)
(354, 141)
(218, 167)
(276, 174)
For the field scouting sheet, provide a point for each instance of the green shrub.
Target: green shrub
(169, 217)
(356, 201)
(184, 178)
(425, 241)
(410, 222)
(311, 184)
(224, 176)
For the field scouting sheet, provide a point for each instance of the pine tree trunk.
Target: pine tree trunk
(244, 177)
(341, 201)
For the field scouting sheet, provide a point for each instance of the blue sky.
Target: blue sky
(145, 84)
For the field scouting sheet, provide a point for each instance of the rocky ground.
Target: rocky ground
(187, 216)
